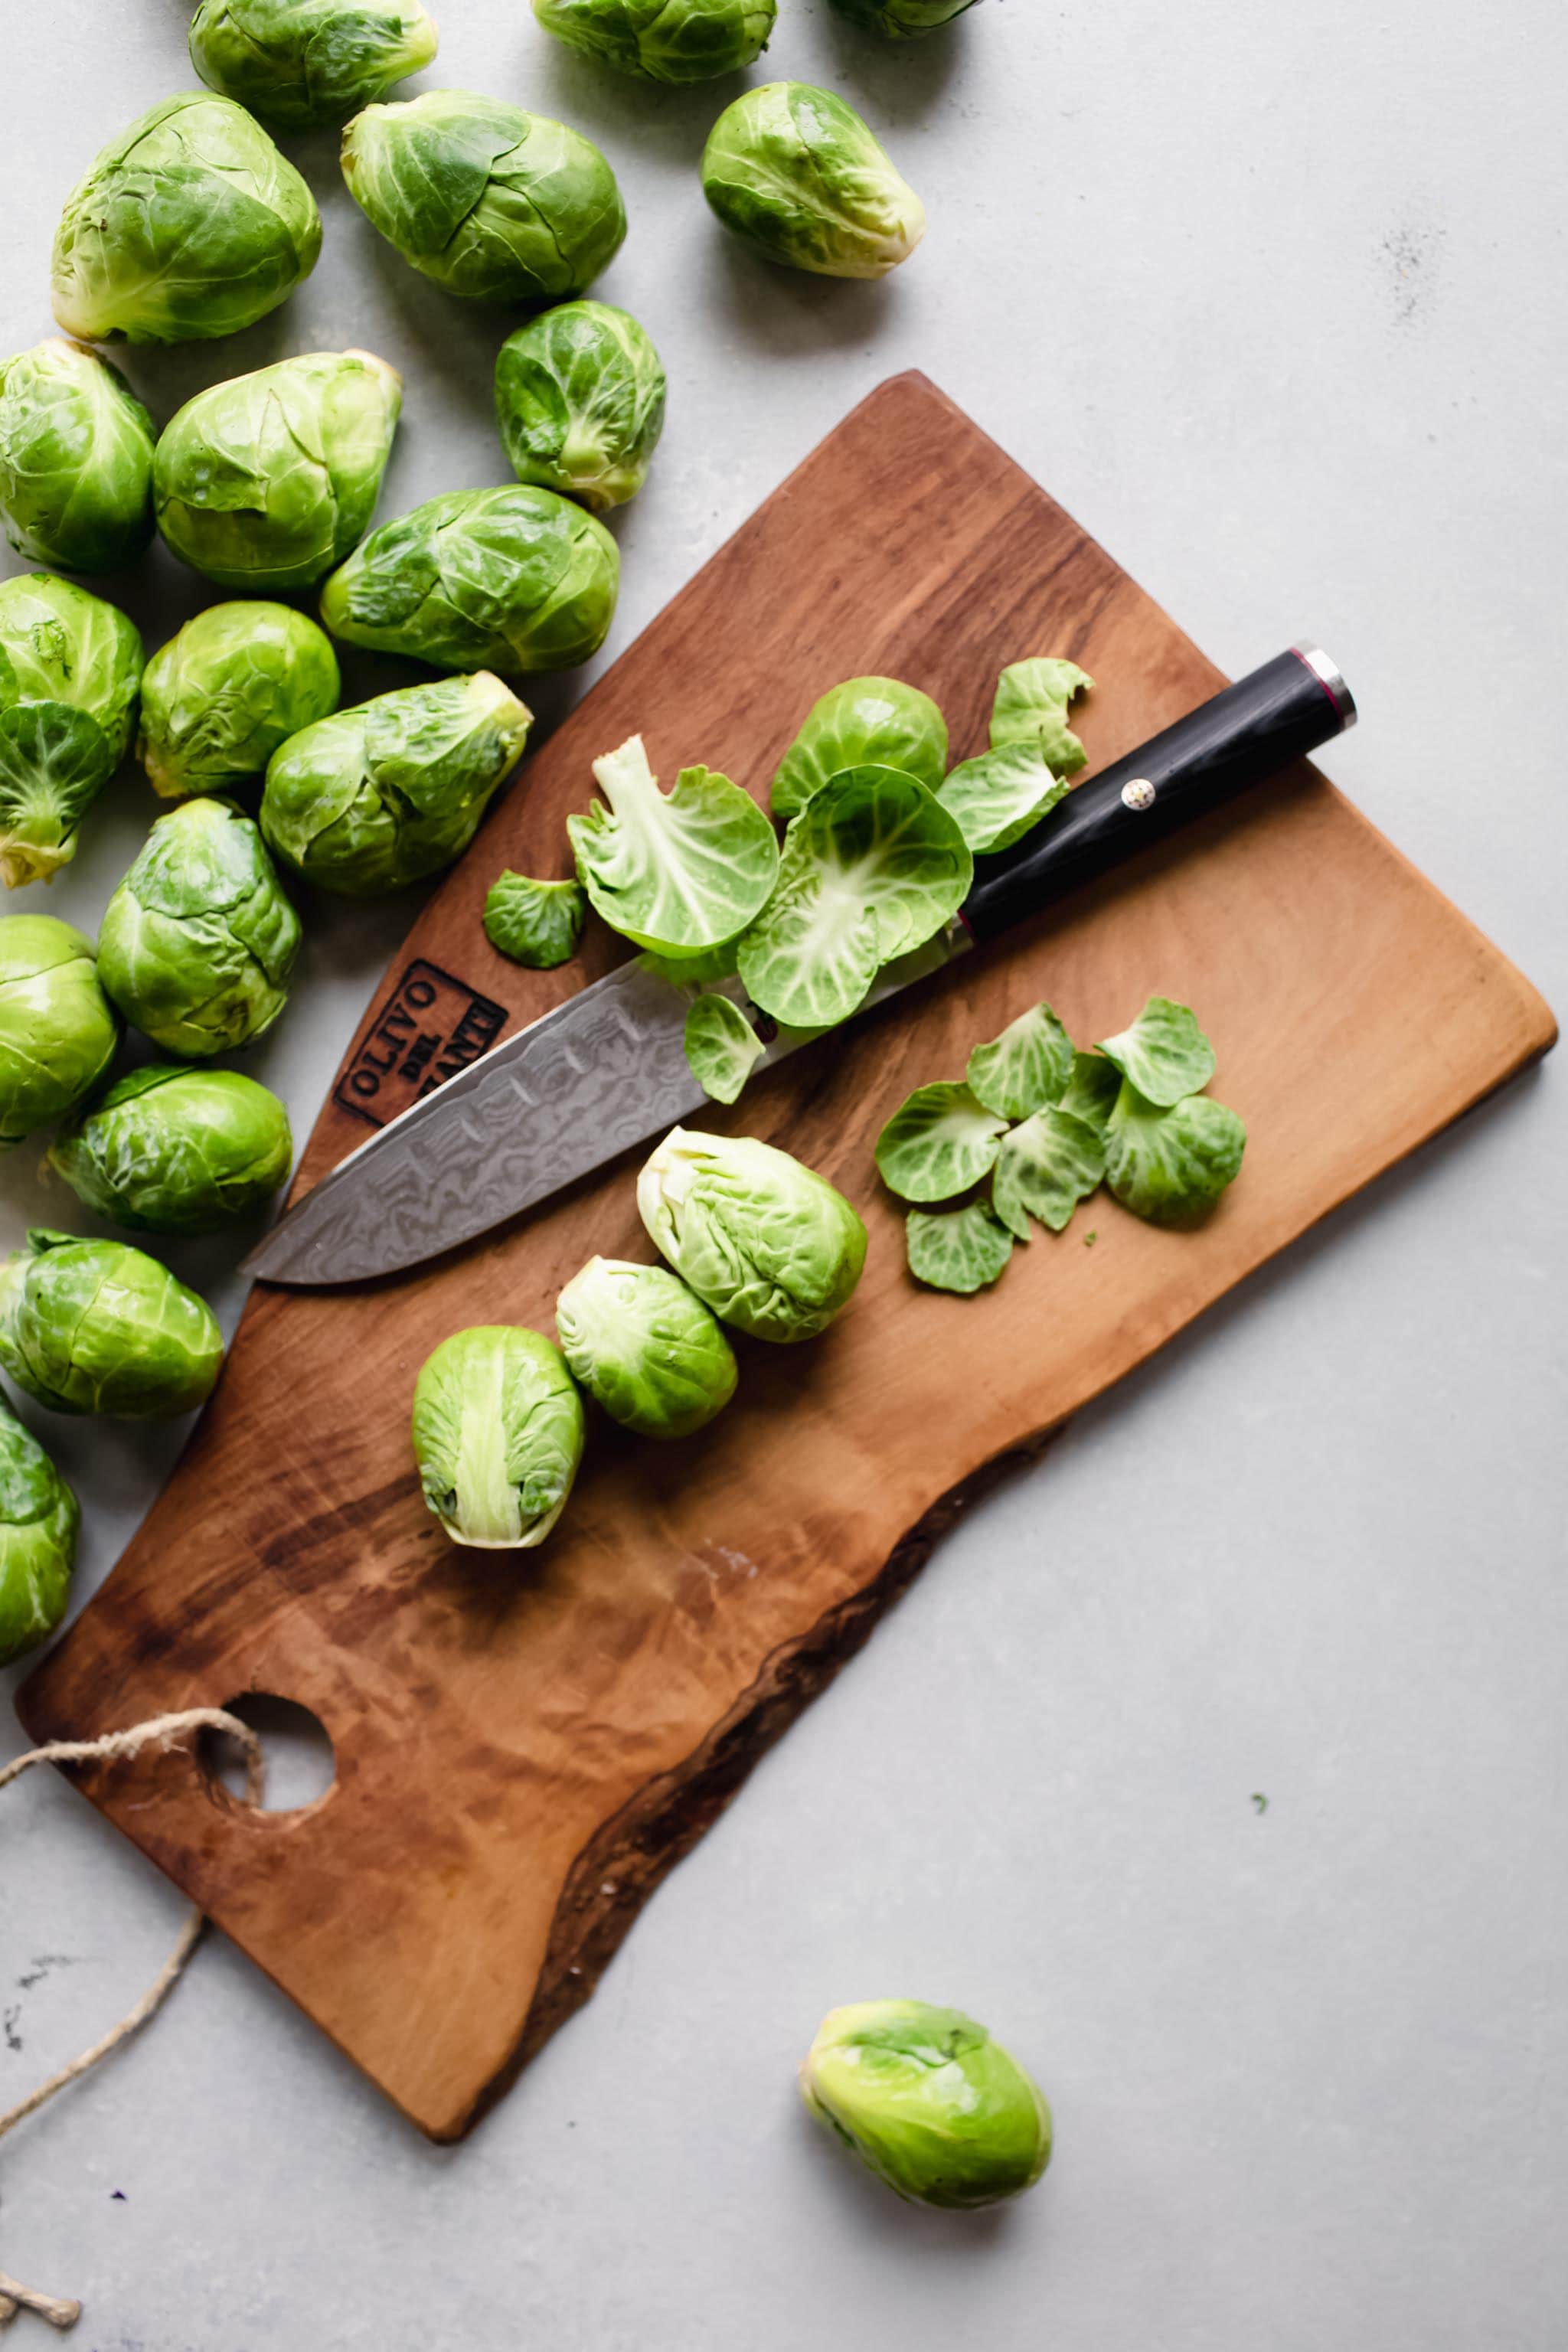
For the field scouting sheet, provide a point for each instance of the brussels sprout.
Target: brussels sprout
(996, 799)
(963, 1250)
(795, 172)
(1024, 1068)
(1044, 1169)
(1170, 1165)
(678, 872)
(190, 224)
(1031, 707)
(721, 1047)
(199, 941)
(490, 202)
(514, 580)
(939, 1141)
(268, 480)
(217, 699)
(866, 723)
(645, 1347)
(663, 40)
(302, 64)
(99, 1327)
(902, 20)
(58, 1029)
(766, 1244)
(69, 668)
(177, 1151)
(537, 924)
(1164, 1053)
(393, 790)
(76, 459)
(580, 401)
(926, 2099)
(40, 1519)
(498, 1436)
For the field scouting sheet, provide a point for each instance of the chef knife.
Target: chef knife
(607, 1069)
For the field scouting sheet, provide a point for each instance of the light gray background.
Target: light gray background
(1271, 299)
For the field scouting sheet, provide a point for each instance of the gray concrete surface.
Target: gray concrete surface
(1271, 299)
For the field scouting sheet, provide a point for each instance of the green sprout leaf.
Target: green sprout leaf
(1171, 1166)
(1165, 1055)
(1031, 708)
(1044, 1169)
(866, 723)
(963, 1250)
(1024, 1068)
(1091, 1089)
(1002, 795)
(678, 872)
(721, 1047)
(939, 1143)
(537, 924)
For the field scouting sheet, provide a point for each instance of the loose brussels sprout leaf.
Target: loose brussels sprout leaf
(902, 20)
(490, 202)
(1091, 1089)
(663, 40)
(678, 872)
(99, 1327)
(498, 1436)
(1164, 1053)
(199, 941)
(795, 172)
(963, 1250)
(866, 723)
(383, 794)
(1001, 796)
(69, 668)
(1044, 1169)
(535, 923)
(76, 459)
(1024, 1068)
(938, 1143)
(1171, 1166)
(924, 2098)
(58, 1030)
(39, 1520)
(721, 1047)
(513, 580)
(219, 698)
(872, 867)
(765, 1242)
(580, 401)
(189, 225)
(1031, 708)
(303, 64)
(177, 1151)
(645, 1347)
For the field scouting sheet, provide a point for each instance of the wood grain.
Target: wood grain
(524, 1746)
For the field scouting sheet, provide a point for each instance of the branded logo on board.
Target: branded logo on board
(430, 1027)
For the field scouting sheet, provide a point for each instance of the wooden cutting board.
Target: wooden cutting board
(525, 1744)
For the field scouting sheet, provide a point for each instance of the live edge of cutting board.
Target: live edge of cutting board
(525, 1745)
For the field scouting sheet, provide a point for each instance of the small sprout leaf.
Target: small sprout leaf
(963, 1250)
(1027, 1068)
(678, 872)
(537, 924)
(1046, 1167)
(1091, 1089)
(938, 1143)
(1171, 1166)
(721, 1047)
(1031, 707)
(1164, 1053)
(1002, 795)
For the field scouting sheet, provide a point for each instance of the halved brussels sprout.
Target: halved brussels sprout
(663, 40)
(902, 20)
(300, 64)
(219, 698)
(678, 872)
(645, 1347)
(76, 459)
(866, 723)
(498, 1436)
(768, 1245)
(177, 1151)
(580, 397)
(189, 225)
(795, 172)
(69, 668)
(39, 1520)
(99, 1327)
(58, 1031)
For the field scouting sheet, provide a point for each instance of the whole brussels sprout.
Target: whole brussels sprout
(902, 20)
(515, 580)
(177, 1151)
(663, 40)
(302, 64)
(76, 459)
(190, 224)
(219, 698)
(40, 1519)
(765, 1242)
(580, 400)
(644, 1347)
(69, 668)
(58, 1031)
(394, 790)
(268, 480)
(794, 171)
(493, 202)
(498, 1436)
(199, 941)
(99, 1327)
(926, 2099)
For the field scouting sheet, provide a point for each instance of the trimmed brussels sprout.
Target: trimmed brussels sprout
(794, 171)
(535, 923)
(678, 872)
(926, 2099)
(69, 668)
(1044, 1169)
(39, 1520)
(498, 1436)
(514, 580)
(580, 401)
(721, 1047)
(76, 459)
(1031, 707)
(177, 1151)
(58, 1030)
(645, 1347)
(769, 1246)
(866, 723)
(963, 1250)
(902, 20)
(1170, 1165)
(493, 202)
(99, 1327)
(268, 480)
(199, 941)
(663, 40)
(303, 64)
(189, 225)
(1024, 1068)
(1002, 795)
(219, 698)
(939, 1141)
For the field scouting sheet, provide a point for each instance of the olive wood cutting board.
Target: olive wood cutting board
(525, 1743)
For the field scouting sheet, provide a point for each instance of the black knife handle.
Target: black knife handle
(1293, 704)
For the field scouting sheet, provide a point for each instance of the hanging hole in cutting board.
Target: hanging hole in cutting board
(300, 1763)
